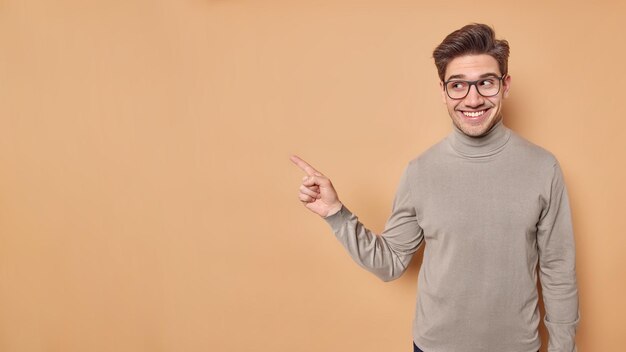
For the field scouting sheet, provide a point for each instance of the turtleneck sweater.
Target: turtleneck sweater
(492, 213)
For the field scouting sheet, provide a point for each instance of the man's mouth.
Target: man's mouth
(474, 114)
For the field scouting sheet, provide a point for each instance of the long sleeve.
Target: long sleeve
(386, 255)
(555, 240)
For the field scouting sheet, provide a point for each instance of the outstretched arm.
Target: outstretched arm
(386, 255)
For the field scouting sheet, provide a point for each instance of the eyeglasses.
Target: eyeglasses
(487, 87)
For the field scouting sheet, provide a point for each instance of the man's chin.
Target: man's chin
(473, 130)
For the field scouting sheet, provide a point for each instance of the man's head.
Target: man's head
(472, 66)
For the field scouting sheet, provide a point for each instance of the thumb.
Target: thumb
(316, 179)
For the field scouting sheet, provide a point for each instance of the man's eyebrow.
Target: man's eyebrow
(484, 75)
(455, 76)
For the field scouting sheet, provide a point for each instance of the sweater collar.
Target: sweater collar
(486, 145)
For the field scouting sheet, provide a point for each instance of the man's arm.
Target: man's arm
(555, 240)
(386, 255)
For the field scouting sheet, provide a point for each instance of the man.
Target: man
(489, 206)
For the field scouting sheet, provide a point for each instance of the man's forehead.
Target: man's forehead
(473, 67)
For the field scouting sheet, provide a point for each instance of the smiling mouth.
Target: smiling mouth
(474, 113)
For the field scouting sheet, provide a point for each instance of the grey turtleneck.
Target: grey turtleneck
(488, 209)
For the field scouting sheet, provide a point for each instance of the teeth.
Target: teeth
(473, 113)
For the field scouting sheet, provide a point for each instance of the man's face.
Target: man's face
(475, 114)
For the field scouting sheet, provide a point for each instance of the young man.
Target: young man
(489, 205)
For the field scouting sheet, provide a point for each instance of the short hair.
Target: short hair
(472, 39)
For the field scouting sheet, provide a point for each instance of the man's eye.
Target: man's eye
(458, 85)
(487, 82)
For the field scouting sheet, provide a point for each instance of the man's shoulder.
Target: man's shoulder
(528, 151)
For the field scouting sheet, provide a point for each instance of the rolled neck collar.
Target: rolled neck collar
(486, 145)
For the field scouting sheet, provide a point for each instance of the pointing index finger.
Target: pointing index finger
(304, 166)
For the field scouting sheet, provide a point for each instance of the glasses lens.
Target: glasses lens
(457, 89)
(488, 87)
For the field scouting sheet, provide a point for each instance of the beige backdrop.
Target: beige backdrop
(147, 202)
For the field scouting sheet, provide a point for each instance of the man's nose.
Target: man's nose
(473, 98)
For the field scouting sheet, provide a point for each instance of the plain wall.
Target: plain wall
(147, 202)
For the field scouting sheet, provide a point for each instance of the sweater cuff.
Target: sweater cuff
(561, 336)
(339, 218)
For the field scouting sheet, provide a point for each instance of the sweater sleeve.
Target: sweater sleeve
(386, 255)
(555, 240)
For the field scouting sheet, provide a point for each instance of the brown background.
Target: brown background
(147, 202)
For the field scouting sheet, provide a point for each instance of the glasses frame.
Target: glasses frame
(473, 83)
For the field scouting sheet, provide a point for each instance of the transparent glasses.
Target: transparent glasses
(487, 87)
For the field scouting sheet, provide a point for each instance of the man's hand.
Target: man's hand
(316, 191)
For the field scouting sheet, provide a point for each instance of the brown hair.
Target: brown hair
(473, 39)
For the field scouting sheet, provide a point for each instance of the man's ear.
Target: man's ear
(506, 83)
(443, 92)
